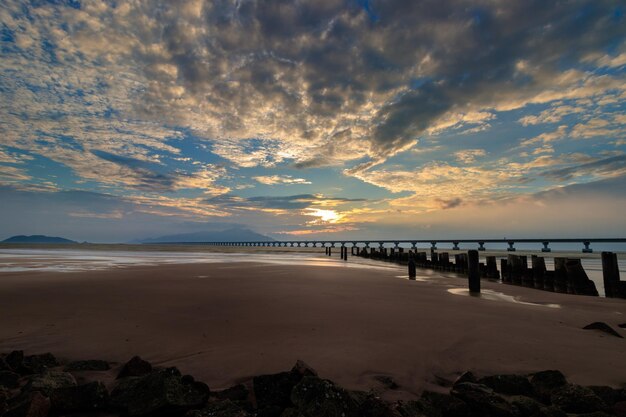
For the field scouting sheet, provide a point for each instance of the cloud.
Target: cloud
(280, 179)
(614, 166)
(469, 156)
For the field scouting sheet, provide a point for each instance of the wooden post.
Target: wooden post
(578, 280)
(610, 273)
(492, 267)
(345, 253)
(504, 271)
(473, 274)
(539, 270)
(412, 273)
(560, 275)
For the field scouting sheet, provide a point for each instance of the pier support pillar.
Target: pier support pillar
(587, 249)
(473, 273)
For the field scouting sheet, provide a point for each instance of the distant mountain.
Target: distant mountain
(228, 235)
(36, 239)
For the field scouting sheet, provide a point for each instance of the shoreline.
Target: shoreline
(225, 322)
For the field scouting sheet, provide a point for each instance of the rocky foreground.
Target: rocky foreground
(40, 386)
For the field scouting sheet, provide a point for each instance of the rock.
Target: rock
(275, 389)
(14, 359)
(87, 397)
(237, 393)
(619, 409)
(303, 369)
(292, 412)
(9, 379)
(50, 381)
(387, 381)
(36, 364)
(525, 406)
(88, 365)
(508, 384)
(550, 411)
(4, 398)
(159, 392)
(371, 406)
(219, 409)
(609, 395)
(595, 414)
(603, 327)
(135, 367)
(435, 404)
(622, 325)
(576, 399)
(544, 383)
(411, 409)
(33, 404)
(466, 377)
(482, 400)
(315, 397)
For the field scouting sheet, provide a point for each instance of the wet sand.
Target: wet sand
(223, 322)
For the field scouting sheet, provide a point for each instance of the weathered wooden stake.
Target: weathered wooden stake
(610, 273)
(539, 270)
(473, 273)
(412, 273)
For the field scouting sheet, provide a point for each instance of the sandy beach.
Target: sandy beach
(224, 322)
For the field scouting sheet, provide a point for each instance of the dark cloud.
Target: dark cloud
(292, 202)
(608, 166)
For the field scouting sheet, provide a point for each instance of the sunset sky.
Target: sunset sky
(313, 119)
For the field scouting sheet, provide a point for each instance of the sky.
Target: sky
(314, 119)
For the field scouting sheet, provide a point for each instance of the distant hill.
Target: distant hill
(36, 239)
(228, 235)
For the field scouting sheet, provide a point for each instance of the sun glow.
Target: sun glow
(328, 216)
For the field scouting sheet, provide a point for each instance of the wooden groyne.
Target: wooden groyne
(568, 276)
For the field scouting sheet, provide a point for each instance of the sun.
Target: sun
(328, 216)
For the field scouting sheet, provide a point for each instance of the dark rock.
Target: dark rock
(35, 364)
(412, 409)
(9, 379)
(14, 359)
(387, 381)
(443, 405)
(525, 406)
(50, 381)
(482, 400)
(219, 409)
(544, 383)
(466, 377)
(595, 414)
(609, 395)
(135, 367)
(292, 412)
(275, 389)
(550, 411)
(271, 411)
(576, 399)
(302, 368)
(33, 404)
(237, 393)
(316, 397)
(619, 409)
(508, 384)
(371, 406)
(159, 392)
(87, 397)
(4, 398)
(603, 327)
(88, 365)
(623, 325)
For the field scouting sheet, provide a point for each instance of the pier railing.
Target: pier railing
(413, 243)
